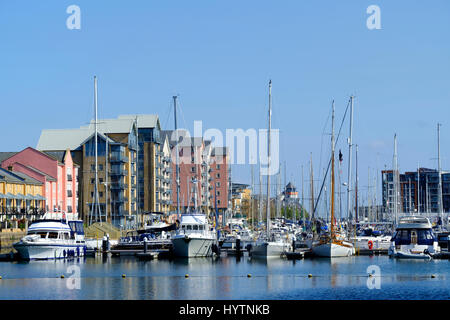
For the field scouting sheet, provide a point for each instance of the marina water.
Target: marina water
(226, 278)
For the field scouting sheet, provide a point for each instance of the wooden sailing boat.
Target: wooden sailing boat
(332, 245)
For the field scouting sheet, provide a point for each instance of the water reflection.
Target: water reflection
(222, 278)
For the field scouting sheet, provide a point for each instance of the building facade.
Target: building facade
(418, 191)
(56, 172)
(21, 198)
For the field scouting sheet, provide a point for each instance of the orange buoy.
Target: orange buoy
(370, 244)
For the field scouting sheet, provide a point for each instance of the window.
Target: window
(218, 167)
(193, 160)
(188, 227)
(101, 194)
(218, 193)
(193, 169)
(201, 227)
(92, 180)
(69, 209)
(101, 180)
(218, 175)
(100, 167)
(195, 227)
(218, 184)
(218, 201)
(93, 167)
(53, 235)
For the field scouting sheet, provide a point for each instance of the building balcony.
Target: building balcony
(118, 172)
(118, 157)
(118, 186)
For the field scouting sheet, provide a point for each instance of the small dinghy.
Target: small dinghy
(406, 255)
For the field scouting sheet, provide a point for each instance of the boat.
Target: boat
(413, 239)
(332, 244)
(245, 237)
(273, 246)
(270, 243)
(195, 237)
(370, 239)
(52, 239)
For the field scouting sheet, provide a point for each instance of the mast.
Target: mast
(394, 176)
(95, 209)
(260, 195)
(311, 174)
(251, 201)
(278, 192)
(349, 179)
(303, 200)
(418, 188)
(440, 174)
(285, 205)
(332, 175)
(177, 165)
(268, 160)
(356, 186)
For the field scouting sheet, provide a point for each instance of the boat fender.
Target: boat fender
(370, 244)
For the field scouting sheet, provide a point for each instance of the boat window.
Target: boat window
(42, 234)
(53, 235)
(66, 236)
(183, 227)
(200, 227)
(188, 227)
(425, 237)
(195, 227)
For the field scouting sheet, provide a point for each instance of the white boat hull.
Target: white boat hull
(269, 249)
(48, 251)
(189, 247)
(332, 250)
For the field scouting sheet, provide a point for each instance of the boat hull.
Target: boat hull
(332, 250)
(48, 251)
(192, 247)
(269, 249)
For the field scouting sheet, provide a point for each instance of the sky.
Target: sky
(218, 56)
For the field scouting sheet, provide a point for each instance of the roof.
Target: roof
(6, 155)
(63, 139)
(27, 179)
(219, 151)
(57, 155)
(143, 120)
(17, 177)
(183, 135)
(48, 178)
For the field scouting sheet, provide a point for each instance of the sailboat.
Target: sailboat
(195, 236)
(270, 244)
(332, 245)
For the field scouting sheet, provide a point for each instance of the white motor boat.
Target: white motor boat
(195, 237)
(413, 239)
(52, 239)
(275, 246)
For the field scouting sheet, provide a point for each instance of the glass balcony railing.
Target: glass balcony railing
(118, 172)
(118, 157)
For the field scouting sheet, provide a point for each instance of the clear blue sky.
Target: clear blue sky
(219, 55)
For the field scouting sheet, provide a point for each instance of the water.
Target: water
(225, 278)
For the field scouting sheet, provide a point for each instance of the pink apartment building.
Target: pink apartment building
(56, 171)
